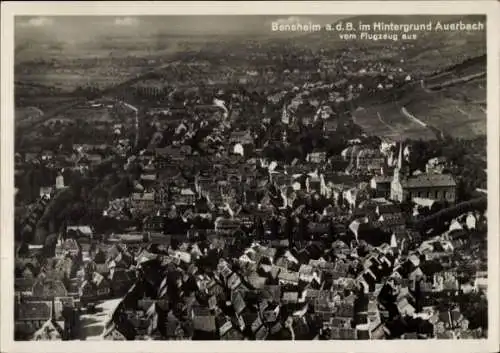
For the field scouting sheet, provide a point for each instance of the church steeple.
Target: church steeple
(399, 165)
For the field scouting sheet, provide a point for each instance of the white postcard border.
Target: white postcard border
(10, 9)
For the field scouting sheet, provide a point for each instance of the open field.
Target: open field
(69, 80)
(389, 122)
(101, 63)
(88, 114)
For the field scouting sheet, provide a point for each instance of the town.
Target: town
(255, 190)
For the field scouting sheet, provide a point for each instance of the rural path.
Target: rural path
(386, 124)
(424, 88)
(439, 133)
(458, 80)
(412, 117)
(463, 112)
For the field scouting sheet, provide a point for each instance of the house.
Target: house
(233, 281)
(330, 126)
(50, 331)
(81, 231)
(69, 246)
(238, 302)
(271, 313)
(185, 197)
(154, 223)
(202, 182)
(447, 321)
(345, 307)
(49, 288)
(30, 316)
(316, 157)
(250, 321)
(227, 226)
(65, 267)
(95, 288)
(243, 137)
(148, 179)
(232, 334)
(288, 277)
(47, 155)
(436, 165)
(162, 162)
(24, 284)
(481, 281)
(381, 185)
(204, 326)
(30, 157)
(46, 191)
(91, 159)
(404, 307)
(143, 201)
(369, 160)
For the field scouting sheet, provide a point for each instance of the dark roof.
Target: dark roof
(271, 292)
(34, 311)
(389, 208)
(262, 333)
(125, 327)
(238, 302)
(233, 335)
(119, 275)
(23, 284)
(383, 178)
(429, 180)
(204, 323)
(45, 287)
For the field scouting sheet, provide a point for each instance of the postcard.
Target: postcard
(317, 176)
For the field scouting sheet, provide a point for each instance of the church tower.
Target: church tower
(398, 176)
(398, 171)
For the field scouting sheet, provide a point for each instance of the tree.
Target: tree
(474, 307)
(303, 228)
(274, 227)
(331, 230)
(49, 246)
(23, 249)
(289, 230)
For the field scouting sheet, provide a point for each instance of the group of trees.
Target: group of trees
(440, 218)
(83, 202)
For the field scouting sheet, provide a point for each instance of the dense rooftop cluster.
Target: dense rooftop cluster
(246, 205)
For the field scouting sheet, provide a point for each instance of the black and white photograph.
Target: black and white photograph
(251, 177)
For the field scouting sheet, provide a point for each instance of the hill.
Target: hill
(447, 95)
(417, 112)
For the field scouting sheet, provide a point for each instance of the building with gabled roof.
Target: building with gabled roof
(405, 187)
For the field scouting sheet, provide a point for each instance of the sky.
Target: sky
(88, 27)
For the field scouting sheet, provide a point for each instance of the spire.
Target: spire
(400, 156)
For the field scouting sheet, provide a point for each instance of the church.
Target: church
(406, 187)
